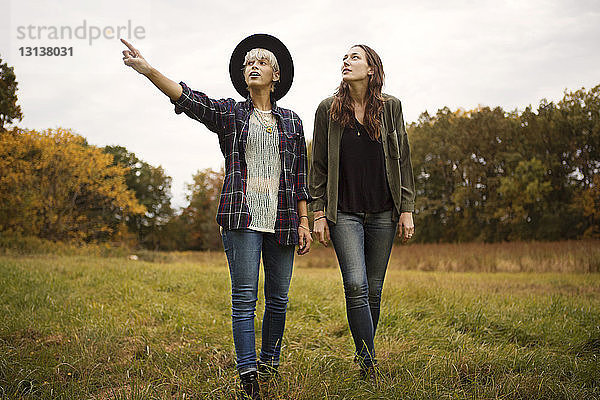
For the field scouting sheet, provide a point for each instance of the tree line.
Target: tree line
(56, 186)
(491, 175)
(481, 175)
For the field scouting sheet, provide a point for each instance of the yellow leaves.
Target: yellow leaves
(54, 185)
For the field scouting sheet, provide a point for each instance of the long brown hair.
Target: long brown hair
(342, 110)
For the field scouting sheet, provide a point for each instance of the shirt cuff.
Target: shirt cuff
(407, 206)
(303, 194)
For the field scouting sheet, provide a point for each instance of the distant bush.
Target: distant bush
(14, 244)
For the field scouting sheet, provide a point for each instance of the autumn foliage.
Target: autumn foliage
(54, 185)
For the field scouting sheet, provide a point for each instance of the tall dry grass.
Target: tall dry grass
(567, 256)
(579, 256)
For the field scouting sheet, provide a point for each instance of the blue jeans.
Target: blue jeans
(243, 248)
(363, 243)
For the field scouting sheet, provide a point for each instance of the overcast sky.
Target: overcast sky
(435, 54)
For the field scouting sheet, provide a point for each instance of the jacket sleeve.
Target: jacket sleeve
(318, 167)
(217, 115)
(407, 195)
(302, 168)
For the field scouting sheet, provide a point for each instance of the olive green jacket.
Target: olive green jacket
(324, 171)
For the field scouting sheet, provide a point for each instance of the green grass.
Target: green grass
(84, 326)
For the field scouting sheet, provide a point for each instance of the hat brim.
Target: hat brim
(275, 46)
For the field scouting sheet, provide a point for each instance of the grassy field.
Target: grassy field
(84, 326)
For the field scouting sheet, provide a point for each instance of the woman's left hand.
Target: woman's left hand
(406, 226)
(304, 239)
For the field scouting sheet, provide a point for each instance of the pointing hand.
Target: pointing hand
(133, 58)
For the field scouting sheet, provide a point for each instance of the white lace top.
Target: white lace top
(264, 168)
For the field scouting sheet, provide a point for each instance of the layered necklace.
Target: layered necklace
(265, 118)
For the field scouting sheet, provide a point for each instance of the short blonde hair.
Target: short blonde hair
(261, 54)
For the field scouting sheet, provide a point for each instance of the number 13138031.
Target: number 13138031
(46, 51)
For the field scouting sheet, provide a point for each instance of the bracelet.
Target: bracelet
(321, 217)
(303, 216)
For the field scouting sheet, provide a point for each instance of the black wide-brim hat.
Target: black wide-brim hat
(275, 46)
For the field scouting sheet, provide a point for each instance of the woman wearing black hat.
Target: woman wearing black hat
(362, 185)
(263, 204)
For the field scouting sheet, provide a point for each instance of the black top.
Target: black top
(363, 185)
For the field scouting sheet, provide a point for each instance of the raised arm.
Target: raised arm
(133, 58)
(217, 115)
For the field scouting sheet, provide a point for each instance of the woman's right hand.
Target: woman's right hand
(321, 228)
(133, 58)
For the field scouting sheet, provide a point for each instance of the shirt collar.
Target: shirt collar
(250, 107)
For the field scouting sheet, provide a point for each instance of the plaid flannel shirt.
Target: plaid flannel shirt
(229, 119)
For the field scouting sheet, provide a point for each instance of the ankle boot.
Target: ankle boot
(369, 372)
(250, 385)
(266, 372)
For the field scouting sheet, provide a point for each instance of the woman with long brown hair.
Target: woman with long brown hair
(362, 186)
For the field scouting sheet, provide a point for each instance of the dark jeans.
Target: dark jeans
(244, 248)
(363, 243)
